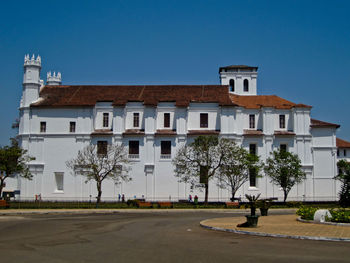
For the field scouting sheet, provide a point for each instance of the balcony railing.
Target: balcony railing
(165, 156)
(133, 156)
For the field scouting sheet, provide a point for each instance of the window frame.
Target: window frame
(58, 189)
(132, 150)
(232, 85)
(165, 147)
(166, 120)
(251, 121)
(102, 147)
(282, 121)
(255, 148)
(136, 119)
(283, 145)
(203, 120)
(105, 120)
(43, 126)
(72, 126)
(252, 178)
(246, 85)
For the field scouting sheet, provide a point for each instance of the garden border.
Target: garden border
(322, 223)
(273, 235)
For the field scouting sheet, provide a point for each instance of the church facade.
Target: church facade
(56, 121)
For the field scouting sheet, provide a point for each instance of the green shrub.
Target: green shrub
(132, 202)
(294, 204)
(340, 215)
(307, 212)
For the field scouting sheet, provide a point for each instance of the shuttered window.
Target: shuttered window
(204, 120)
(133, 147)
(101, 147)
(166, 120)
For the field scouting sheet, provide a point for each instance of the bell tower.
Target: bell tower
(31, 80)
(240, 78)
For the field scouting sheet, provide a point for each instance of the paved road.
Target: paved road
(148, 237)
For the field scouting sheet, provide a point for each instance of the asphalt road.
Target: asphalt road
(148, 237)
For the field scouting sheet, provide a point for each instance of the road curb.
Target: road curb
(124, 210)
(272, 235)
(322, 223)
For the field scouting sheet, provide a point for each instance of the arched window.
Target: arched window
(232, 85)
(246, 85)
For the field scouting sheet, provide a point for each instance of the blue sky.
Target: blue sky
(301, 47)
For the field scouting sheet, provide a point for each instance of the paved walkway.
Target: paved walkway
(281, 226)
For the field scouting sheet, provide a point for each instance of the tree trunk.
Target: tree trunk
(233, 193)
(1, 187)
(206, 193)
(285, 196)
(99, 193)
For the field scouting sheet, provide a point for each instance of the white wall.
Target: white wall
(152, 176)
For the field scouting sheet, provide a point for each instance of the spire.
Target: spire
(54, 79)
(32, 61)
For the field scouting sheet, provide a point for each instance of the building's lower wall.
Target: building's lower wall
(160, 184)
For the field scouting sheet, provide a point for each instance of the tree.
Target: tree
(198, 162)
(285, 170)
(344, 177)
(100, 164)
(13, 161)
(236, 166)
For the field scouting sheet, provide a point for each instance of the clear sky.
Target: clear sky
(302, 48)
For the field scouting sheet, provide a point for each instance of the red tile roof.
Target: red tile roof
(342, 143)
(182, 95)
(322, 124)
(258, 101)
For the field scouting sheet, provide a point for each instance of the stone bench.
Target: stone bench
(144, 204)
(3, 203)
(165, 204)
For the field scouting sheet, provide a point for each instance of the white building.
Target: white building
(153, 121)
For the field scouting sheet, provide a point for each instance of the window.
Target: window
(134, 149)
(252, 148)
(246, 85)
(59, 182)
(344, 153)
(251, 121)
(136, 119)
(43, 126)
(282, 121)
(105, 120)
(166, 120)
(101, 147)
(252, 177)
(283, 147)
(165, 149)
(232, 85)
(338, 153)
(72, 126)
(204, 120)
